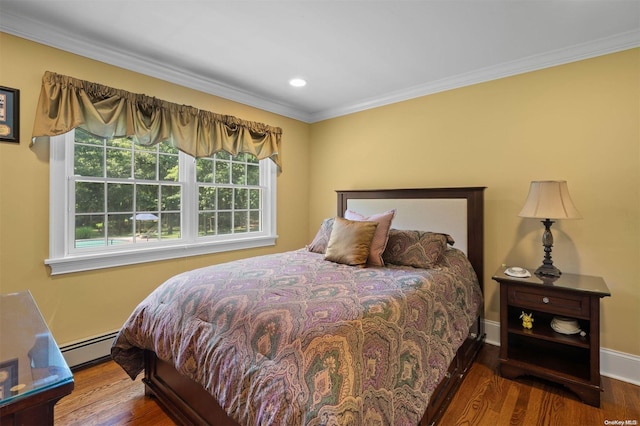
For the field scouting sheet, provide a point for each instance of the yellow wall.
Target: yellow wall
(82, 305)
(578, 122)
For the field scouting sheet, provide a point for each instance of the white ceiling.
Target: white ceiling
(354, 54)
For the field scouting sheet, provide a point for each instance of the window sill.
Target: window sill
(93, 261)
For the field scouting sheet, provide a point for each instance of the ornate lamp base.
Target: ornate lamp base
(547, 269)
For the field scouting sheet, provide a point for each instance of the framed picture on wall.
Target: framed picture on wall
(8, 378)
(9, 114)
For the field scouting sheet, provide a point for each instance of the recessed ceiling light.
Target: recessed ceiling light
(297, 82)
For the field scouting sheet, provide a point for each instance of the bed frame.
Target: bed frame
(186, 402)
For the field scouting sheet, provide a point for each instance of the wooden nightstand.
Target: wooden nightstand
(571, 360)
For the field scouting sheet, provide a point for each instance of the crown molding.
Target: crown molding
(30, 29)
(38, 32)
(574, 53)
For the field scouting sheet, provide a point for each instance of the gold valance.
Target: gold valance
(66, 103)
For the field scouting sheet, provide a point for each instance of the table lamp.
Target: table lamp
(549, 199)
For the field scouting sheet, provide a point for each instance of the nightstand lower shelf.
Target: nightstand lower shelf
(566, 362)
(587, 392)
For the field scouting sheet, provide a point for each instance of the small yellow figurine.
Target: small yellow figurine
(527, 320)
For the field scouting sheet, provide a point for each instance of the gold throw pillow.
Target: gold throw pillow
(350, 241)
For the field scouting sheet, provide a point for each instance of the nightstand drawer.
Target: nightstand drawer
(549, 300)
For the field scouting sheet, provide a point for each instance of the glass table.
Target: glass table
(33, 373)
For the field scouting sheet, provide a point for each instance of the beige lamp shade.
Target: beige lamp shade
(549, 199)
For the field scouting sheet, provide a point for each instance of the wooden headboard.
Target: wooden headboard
(455, 211)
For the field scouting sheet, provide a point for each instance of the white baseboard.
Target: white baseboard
(620, 366)
(614, 364)
(492, 329)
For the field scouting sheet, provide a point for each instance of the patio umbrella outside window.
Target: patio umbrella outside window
(145, 217)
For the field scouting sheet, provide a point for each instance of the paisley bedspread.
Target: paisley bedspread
(292, 339)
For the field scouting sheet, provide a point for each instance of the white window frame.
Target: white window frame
(62, 260)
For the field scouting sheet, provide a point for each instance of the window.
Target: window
(114, 202)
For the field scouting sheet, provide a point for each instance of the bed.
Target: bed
(294, 338)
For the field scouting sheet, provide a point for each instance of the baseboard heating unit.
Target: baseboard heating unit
(88, 351)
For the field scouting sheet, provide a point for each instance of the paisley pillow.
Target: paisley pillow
(320, 241)
(419, 249)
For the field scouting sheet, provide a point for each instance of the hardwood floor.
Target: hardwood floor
(485, 398)
(104, 395)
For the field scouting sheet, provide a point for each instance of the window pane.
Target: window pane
(89, 197)
(254, 198)
(120, 227)
(168, 167)
(241, 200)
(118, 163)
(170, 197)
(222, 172)
(239, 176)
(224, 223)
(119, 197)
(170, 226)
(240, 222)
(147, 230)
(206, 224)
(225, 197)
(207, 198)
(88, 161)
(253, 175)
(204, 170)
(254, 221)
(145, 165)
(147, 198)
(89, 231)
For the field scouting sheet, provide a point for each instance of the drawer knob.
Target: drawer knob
(545, 299)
